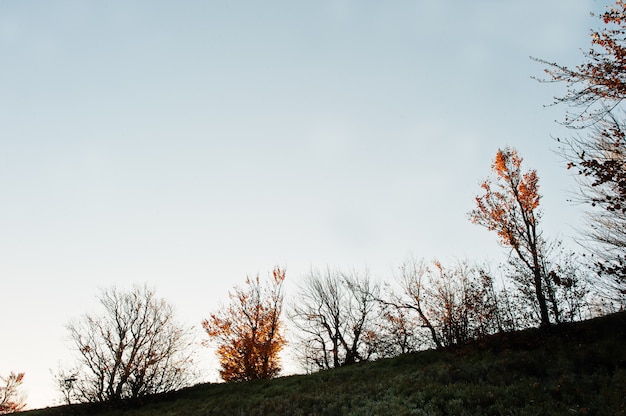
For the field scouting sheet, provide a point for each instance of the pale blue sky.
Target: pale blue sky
(189, 144)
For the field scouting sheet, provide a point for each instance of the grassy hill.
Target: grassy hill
(577, 368)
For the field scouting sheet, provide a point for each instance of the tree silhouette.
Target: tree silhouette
(335, 316)
(249, 331)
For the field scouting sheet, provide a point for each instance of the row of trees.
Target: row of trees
(342, 318)
(135, 347)
(345, 318)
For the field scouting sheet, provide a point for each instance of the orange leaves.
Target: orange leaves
(10, 399)
(278, 275)
(501, 163)
(528, 191)
(215, 325)
(249, 331)
(509, 200)
(508, 206)
(598, 84)
(507, 164)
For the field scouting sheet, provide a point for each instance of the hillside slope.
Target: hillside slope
(574, 369)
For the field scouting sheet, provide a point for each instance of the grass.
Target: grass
(574, 369)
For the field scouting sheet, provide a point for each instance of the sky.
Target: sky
(187, 145)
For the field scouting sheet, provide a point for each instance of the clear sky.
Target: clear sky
(189, 144)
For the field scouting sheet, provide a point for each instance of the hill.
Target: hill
(577, 368)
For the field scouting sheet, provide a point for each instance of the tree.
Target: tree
(11, 400)
(397, 331)
(415, 292)
(595, 89)
(597, 86)
(599, 161)
(564, 282)
(133, 348)
(249, 331)
(453, 305)
(509, 206)
(334, 314)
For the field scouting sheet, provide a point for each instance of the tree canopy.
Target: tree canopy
(249, 330)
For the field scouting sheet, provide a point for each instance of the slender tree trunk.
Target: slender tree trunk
(537, 275)
(543, 306)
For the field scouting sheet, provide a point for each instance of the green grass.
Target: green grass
(575, 369)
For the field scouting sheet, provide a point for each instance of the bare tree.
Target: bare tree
(11, 399)
(132, 349)
(397, 331)
(334, 315)
(451, 305)
(65, 380)
(415, 295)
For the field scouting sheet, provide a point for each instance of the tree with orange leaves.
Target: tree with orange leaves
(10, 398)
(597, 86)
(509, 206)
(248, 332)
(596, 90)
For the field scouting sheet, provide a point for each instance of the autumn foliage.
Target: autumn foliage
(249, 331)
(10, 398)
(598, 85)
(509, 206)
(595, 90)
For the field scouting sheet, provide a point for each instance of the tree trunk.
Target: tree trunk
(543, 306)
